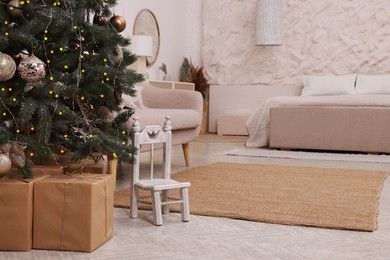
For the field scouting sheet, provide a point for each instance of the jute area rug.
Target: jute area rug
(328, 198)
(310, 155)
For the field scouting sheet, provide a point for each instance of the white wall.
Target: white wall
(173, 21)
(332, 37)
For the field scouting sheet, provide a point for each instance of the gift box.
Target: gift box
(87, 165)
(16, 213)
(74, 213)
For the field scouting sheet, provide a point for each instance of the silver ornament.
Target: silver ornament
(7, 67)
(5, 163)
(31, 68)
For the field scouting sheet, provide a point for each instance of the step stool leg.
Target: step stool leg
(165, 208)
(134, 203)
(185, 206)
(156, 203)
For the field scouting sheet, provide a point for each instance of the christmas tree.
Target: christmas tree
(62, 74)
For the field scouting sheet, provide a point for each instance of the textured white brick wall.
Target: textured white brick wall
(329, 36)
(194, 27)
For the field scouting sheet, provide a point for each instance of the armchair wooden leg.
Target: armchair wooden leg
(186, 151)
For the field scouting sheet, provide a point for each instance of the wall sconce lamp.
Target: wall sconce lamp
(269, 22)
(142, 47)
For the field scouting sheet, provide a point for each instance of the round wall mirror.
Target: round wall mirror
(146, 24)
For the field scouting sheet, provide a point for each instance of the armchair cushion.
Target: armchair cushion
(181, 118)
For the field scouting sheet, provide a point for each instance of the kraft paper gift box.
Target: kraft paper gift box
(73, 213)
(87, 165)
(16, 213)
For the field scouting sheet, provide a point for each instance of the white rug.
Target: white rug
(262, 152)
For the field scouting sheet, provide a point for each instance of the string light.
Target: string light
(14, 99)
(56, 95)
(4, 114)
(32, 128)
(83, 71)
(6, 33)
(82, 98)
(60, 113)
(51, 78)
(107, 79)
(62, 151)
(31, 154)
(9, 89)
(51, 92)
(3, 89)
(5, 22)
(61, 49)
(65, 136)
(102, 95)
(48, 61)
(114, 154)
(17, 131)
(66, 67)
(123, 132)
(91, 136)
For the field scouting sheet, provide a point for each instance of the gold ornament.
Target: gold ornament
(118, 22)
(99, 18)
(7, 67)
(31, 68)
(14, 9)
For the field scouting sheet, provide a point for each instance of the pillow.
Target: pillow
(373, 84)
(133, 102)
(328, 85)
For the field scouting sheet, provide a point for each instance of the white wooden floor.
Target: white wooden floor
(220, 238)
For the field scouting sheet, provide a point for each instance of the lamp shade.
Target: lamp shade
(269, 22)
(142, 45)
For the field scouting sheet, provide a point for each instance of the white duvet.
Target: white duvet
(258, 123)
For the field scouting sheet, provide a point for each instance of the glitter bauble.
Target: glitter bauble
(5, 163)
(31, 69)
(7, 67)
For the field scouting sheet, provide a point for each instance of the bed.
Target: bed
(346, 121)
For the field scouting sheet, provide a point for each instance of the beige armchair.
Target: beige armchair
(185, 107)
